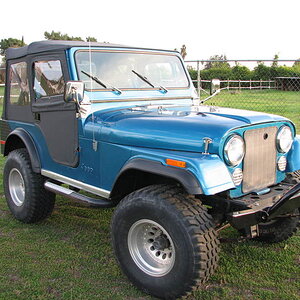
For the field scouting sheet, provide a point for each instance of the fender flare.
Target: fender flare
(293, 157)
(185, 177)
(29, 143)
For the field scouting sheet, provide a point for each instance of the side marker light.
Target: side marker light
(176, 163)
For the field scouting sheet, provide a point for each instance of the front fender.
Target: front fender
(204, 174)
(185, 177)
(293, 157)
(212, 174)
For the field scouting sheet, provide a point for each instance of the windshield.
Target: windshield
(117, 69)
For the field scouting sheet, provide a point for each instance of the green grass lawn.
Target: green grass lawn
(68, 256)
(282, 103)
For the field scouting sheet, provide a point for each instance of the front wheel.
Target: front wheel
(164, 241)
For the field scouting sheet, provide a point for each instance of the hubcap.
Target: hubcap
(16, 187)
(151, 248)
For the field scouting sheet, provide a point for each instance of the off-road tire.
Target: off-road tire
(191, 232)
(278, 230)
(36, 203)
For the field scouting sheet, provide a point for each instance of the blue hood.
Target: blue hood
(170, 127)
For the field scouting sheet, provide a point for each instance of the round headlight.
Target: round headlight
(284, 139)
(234, 150)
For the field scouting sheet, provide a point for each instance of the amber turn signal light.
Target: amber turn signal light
(175, 163)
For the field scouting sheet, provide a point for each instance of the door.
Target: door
(55, 118)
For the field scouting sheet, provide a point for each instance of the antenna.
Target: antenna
(95, 144)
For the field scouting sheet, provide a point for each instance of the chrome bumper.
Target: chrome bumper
(273, 206)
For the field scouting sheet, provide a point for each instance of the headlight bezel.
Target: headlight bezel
(227, 148)
(280, 136)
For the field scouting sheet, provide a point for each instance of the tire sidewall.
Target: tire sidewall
(165, 215)
(15, 160)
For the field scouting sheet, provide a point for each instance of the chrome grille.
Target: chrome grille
(260, 158)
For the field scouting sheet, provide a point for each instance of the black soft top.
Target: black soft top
(46, 46)
(54, 45)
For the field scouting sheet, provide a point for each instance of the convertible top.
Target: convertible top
(51, 45)
(54, 45)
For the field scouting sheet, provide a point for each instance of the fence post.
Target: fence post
(260, 84)
(239, 85)
(198, 78)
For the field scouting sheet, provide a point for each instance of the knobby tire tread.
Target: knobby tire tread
(42, 201)
(198, 222)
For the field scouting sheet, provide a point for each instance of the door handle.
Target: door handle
(37, 117)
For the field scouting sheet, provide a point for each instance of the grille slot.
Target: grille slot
(260, 158)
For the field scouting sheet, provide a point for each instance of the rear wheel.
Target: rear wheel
(164, 241)
(24, 190)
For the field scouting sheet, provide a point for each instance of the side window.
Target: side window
(19, 89)
(48, 78)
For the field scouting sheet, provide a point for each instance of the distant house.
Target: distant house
(287, 83)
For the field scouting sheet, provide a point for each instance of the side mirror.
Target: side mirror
(215, 86)
(74, 91)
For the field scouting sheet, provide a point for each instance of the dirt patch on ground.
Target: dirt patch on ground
(54, 292)
(3, 213)
(6, 234)
(14, 277)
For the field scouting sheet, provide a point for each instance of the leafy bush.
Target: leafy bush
(261, 72)
(240, 73)
(220, 73)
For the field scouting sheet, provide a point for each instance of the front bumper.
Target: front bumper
(281, 199)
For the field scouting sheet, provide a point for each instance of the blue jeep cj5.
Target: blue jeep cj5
(119, 126)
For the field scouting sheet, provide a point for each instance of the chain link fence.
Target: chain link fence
(271, 86)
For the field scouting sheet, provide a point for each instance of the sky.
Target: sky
(253, 29)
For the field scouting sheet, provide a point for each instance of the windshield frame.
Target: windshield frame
(145, 52)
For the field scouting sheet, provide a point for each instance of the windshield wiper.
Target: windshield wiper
(96, 79)
(145, 79)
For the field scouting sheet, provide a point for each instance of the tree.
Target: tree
(10, 42)
(240, 73)
(275, 60)
(91, 39)
(57, 35)
(262, 72)
(183, 51)
(296, 65)
(217, 61)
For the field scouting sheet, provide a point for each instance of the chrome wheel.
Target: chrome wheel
(16, 187)
(151, 248)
